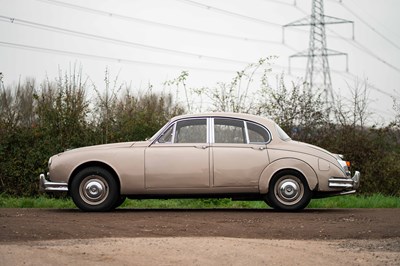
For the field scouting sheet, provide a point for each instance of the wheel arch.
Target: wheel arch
(95, 164)
(292, 164)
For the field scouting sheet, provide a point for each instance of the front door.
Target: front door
(180, 157)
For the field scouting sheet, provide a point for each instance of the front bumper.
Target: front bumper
(345, 183)
(47, 186)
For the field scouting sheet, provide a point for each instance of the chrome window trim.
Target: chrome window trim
(228, 118)
(210, 129)
(211, 140)
(174, 124)
(246, 132)
(173, 133)
(167, 127)
(265, 129)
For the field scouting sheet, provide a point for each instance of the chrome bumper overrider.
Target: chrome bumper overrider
(345, 183)
(45, 185)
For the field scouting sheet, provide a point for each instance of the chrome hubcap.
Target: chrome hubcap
(93, 190)
(289, 190)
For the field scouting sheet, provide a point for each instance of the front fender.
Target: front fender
(287, 164)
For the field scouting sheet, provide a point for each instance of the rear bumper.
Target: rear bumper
(345, 183)
(47, 186)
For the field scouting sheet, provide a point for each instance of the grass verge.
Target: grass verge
(350, 201)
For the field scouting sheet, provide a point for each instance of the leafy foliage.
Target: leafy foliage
(340, 126)
(36, 123)
(39, 121)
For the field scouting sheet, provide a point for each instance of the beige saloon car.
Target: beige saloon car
(212, 155)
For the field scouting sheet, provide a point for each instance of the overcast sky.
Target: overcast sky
(154, 40)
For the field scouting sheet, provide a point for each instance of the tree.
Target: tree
(353, 110)
(300, 112)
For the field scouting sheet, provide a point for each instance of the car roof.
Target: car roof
(250, 117)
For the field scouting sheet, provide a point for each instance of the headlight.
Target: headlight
(346, 166)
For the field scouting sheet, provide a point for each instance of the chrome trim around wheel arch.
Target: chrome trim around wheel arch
(47, 186)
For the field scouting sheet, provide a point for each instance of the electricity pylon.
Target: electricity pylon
(318, 73)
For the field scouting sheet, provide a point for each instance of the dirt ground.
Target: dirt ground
(200, 237)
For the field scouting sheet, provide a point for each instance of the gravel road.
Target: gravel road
(200, 237)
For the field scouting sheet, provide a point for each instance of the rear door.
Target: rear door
(239, 153)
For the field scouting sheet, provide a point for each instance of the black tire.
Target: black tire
(94, 189)
(119, 202)
(288, 191)
(266, 200)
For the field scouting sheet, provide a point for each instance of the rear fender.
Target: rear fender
(287, 164)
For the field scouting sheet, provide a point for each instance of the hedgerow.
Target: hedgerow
(39, 120)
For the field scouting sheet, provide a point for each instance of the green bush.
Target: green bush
(37, 122)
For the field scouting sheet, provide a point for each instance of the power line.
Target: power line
(234, 14)
(351, 76)
(230, 13)
(118, 16)
(237, 15)
(180, 28)
(366, 50)
(106, 58)
(318, 70)
(113, 40)
(282, 3)
(370, 26)
(393, 32)
(158, 24)
(360, 47)
(355, 77)
(136, 62)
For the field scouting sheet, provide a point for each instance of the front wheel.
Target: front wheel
(94, 189)
(288, 191)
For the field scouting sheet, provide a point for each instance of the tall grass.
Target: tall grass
(357, 201)
(35, 202)
(351, 201)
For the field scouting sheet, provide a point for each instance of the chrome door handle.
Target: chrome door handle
(261, 148)
(202, 147)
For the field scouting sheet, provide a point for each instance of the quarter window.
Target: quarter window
(166, 137)
(257, 134)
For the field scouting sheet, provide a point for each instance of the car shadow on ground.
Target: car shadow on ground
(210, 210)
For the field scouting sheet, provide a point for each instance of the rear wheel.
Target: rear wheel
(120, 201)
(288, 191)
(94, 189)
